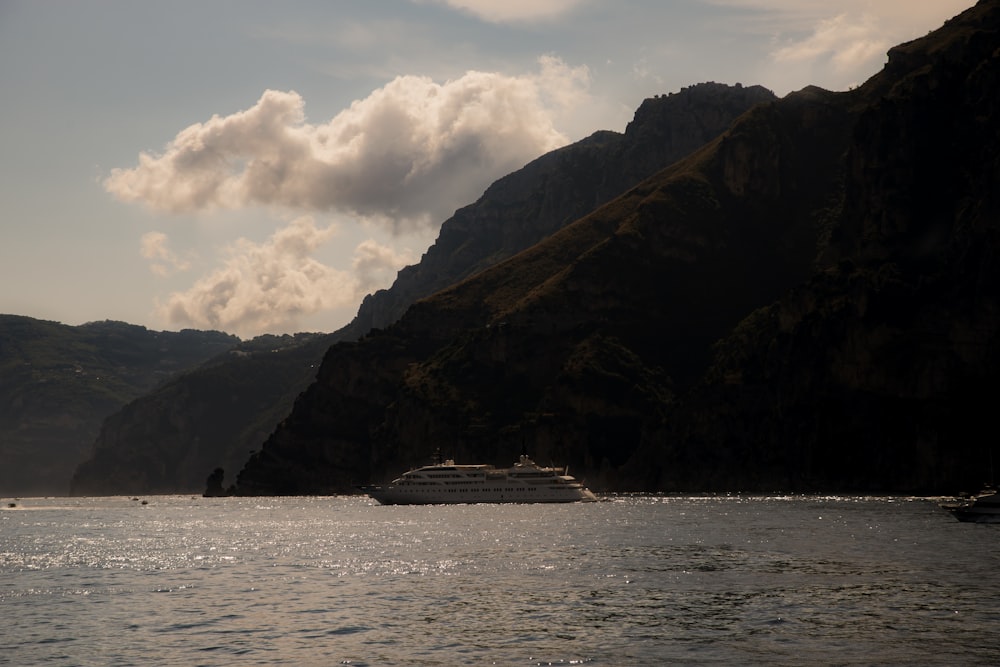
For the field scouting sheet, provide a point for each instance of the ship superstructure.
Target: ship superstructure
(451, 483)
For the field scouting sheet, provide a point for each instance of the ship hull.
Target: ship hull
(390, 495)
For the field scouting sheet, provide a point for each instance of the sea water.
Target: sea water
(180, 580)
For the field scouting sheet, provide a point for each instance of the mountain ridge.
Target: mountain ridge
(679, 337)
(130, 455)
(559, 187)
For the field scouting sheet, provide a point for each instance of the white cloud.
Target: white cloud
(505, 11)
(375, 265)
(264, 287)
(412, 151)
(906, 13)
(847, 43)
(163, 261)
(834, 43)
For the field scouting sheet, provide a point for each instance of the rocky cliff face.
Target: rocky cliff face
(172, 439)
(805, 303)
(521, 209)
(879, 372)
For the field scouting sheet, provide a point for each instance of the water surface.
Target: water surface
(633, 580)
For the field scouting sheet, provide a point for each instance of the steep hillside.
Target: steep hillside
(839, 245)
(521, 209)
(168, 440)
(157, 443)
(879, 373)
(575, 347)
(58, 382)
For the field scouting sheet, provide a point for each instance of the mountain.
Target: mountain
(167, 440)
(881, 371)
(524, 207)
(809, 302)
(58, 382)
(172, 438)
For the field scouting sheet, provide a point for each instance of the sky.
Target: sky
(259, 167)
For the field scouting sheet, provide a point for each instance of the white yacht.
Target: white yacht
(450, 483)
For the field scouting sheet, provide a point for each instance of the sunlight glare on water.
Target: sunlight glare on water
(634, 580)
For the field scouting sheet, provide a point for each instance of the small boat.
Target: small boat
(449, 483)
(984, 508)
